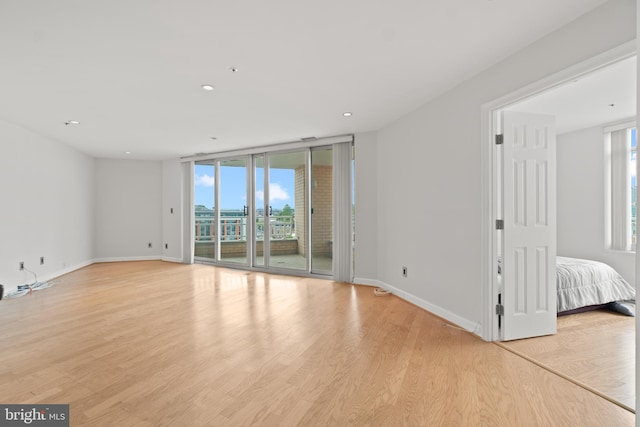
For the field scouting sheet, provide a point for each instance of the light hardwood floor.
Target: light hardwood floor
(155, 344)
(595, 348)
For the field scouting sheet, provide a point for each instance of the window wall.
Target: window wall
(273, 210)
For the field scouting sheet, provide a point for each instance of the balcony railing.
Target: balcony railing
(234, 228)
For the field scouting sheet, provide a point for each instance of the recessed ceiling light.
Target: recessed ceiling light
(72, 122)
(206, 87)
(127, 152)
(347, 114)
(233, 69)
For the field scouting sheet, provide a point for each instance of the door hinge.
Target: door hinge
(499, 139)
(500, 309)
(499, 224)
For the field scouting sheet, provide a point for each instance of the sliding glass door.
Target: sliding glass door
(221, 211)
(234, 211)
(204, 210)
(286, 210)
(270, 211)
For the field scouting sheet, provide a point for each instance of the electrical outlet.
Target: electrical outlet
(166, 246)
(21, 265)
(149, 244)
(404, 271)
(41, 260)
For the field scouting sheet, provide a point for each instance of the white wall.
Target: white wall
(580, 201)
(428, 166)
(47, 193)
(128, 210)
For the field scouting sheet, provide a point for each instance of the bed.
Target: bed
(584, 283)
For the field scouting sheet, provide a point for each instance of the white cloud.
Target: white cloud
(276, 192)
(205, 180)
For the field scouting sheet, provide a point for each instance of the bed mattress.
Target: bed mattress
(584, 283)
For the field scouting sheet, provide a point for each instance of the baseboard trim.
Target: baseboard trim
(67, 270)
(57, 274)
(124, 259)
(51, 277)
(466, 324)
(368, 282)
(171, 259)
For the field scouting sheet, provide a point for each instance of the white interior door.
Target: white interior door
(529, 234)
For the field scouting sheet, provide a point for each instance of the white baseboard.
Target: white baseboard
(368, 282)
(171, 259)
(53, 275)
(135, 258)
(140, 258)
(473, 327)
(67, 270)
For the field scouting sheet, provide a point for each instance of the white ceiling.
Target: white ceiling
(130, 71)
(605, 96)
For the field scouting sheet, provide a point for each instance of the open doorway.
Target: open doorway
(597, 95)
(490, 213)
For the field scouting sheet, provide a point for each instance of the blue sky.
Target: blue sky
(234, 184)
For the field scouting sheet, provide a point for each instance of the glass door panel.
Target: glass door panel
(322, 210)
(259, 228)
(232, 220)
(286, 210)
(204, 210)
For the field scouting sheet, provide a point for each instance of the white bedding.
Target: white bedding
(584, 282)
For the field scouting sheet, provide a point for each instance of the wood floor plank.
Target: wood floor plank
(596, 348)
(155, 343)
